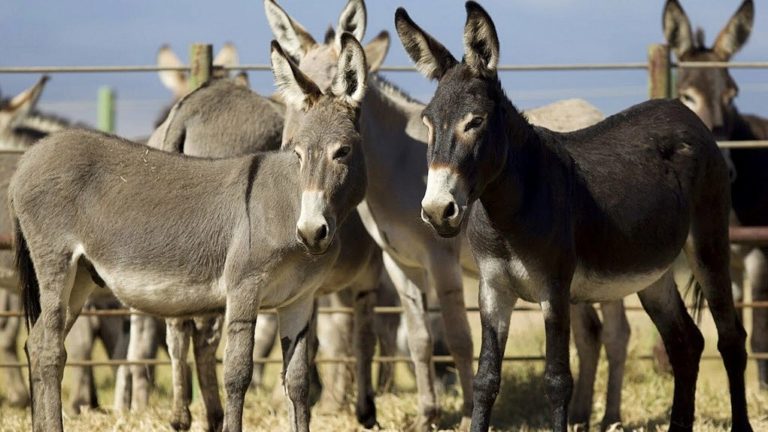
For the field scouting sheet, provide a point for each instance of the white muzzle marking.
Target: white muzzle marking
(312, 228)
(445, 199)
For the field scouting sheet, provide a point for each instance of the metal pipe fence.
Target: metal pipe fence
(745, 235)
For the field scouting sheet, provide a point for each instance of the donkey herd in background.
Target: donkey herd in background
(240, 202)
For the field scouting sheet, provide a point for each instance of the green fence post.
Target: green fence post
(106, 109)
(200, 64)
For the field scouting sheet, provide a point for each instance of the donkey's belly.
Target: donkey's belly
(587, 286)
(163, 295)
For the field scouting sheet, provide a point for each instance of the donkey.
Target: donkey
(235, 234)
(133, 382)
(710, 93)
(217, 120)
(579, 217)
(21, 125)
(177, 81)
(393, 140)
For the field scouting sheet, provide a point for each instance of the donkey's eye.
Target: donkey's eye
(474, 123)
(298, 155)
(342, 152)
(686, 98)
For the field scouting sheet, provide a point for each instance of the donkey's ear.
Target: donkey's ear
(22, 104)
(297, 89)
(175, 81)
(376, 51)
(677, 28)
(351, 72)
(227, 56)
(352, 20)
(736, 32)
(432, 59)
(291, 35)
(481, 43)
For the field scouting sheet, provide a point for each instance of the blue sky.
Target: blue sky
(124, 32)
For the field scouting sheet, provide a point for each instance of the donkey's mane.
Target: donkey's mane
(45, 122)
(392, 90)
(699, 43)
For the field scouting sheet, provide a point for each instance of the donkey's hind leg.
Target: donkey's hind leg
(206, 337)
(263, 342)
(15, 389)
(60, 300)
(708, 253)
(683, 342)
(297, 324)
(615, 338)
(177, 337)
(587, 330)
(757, 269)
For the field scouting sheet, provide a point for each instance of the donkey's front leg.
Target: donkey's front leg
(496, 304)
(557, 371)
(365, 345)
(419, 342)
(296, 323)
(242, 310)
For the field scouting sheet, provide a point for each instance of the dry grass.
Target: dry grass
(521, 404)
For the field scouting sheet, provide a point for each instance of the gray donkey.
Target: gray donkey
(21, 125)
(223, 118)
(711, 93)
(586, 216)
(235, 235)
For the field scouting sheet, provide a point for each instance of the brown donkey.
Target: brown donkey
(587, 216)
(235, 234)
(710, 93)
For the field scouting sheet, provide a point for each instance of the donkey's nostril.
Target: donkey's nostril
(321, 233)
(450, 211)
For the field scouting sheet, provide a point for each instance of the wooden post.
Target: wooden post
(659, 72)
(201, 65)
(106, 110)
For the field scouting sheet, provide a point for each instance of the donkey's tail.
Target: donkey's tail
(30, 289)
(694, 288)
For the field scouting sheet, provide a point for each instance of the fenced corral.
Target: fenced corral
(659, 67)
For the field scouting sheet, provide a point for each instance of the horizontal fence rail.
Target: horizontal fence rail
(383, 310)
(328, 360)
(396, 68)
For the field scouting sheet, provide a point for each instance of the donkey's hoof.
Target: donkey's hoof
(613, 427)
(182, 421)
(580, 427)
(18, 401)
(365, 412)
(465, 424)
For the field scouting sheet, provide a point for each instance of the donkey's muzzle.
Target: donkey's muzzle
(446, 219)
(314, 229)
(444, 201)
(315, 239)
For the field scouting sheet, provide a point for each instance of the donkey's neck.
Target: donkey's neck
(394, 138)
(519, 175)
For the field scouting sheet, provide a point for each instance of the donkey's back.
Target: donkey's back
(656, 158)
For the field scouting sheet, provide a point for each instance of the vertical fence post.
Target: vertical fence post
(201, 64)
(659, 72)
(106, 110)
(200, 71)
